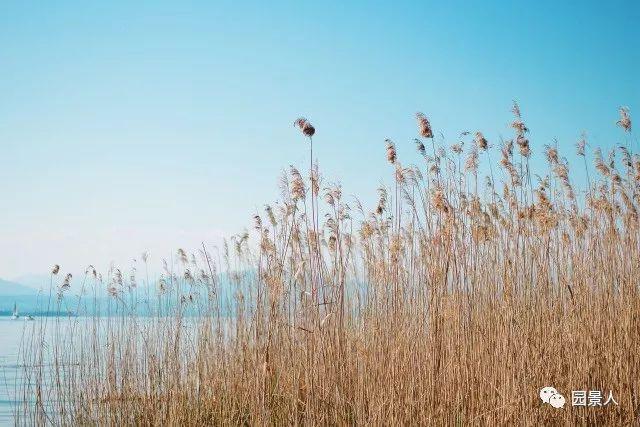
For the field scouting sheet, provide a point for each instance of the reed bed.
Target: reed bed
(451, 301)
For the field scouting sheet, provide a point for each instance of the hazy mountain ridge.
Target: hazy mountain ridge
(33, 281)
(10, 288)
(93, 299)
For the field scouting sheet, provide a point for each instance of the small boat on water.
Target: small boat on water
(15, 315)
(29, 318)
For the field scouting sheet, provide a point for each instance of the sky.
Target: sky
(152, 125)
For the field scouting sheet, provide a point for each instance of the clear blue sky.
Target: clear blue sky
(127, 126)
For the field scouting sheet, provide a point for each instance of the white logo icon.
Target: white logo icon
(557, 401)
(551, 396)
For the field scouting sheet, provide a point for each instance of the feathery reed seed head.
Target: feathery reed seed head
(391, 151)
(625, 119)
(424, 127)
(481, 141)
(297, 185)
(305, 127)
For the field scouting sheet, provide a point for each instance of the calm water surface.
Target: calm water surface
(11, 335)
(15, 334)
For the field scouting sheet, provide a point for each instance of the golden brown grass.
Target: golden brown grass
(451, 301)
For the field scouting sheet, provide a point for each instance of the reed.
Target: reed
(447, 302)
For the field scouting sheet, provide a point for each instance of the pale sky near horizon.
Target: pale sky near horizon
(132, 126)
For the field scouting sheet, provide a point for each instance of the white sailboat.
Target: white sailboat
(15, 312)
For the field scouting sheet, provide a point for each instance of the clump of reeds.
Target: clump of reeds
(446, 302)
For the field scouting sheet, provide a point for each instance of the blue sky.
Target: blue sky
(155, 125)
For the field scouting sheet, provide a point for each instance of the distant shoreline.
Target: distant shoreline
(5, 313)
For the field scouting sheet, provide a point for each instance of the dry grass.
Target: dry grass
(449, 302)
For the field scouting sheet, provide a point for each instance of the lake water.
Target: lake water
(16, 334)
(11, 333)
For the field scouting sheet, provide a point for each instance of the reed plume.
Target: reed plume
(424, 127)
(625, 119)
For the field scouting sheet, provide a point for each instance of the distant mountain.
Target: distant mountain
(8, 288)
(34, 281)
(142, 300)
